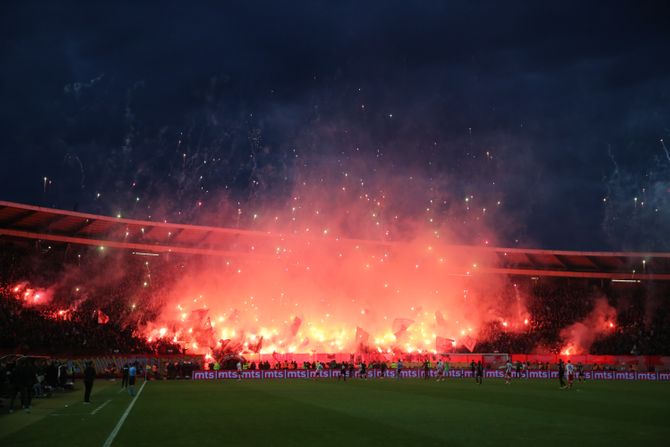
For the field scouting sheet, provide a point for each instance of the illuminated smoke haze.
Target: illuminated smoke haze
(579, 337)
(359, 262)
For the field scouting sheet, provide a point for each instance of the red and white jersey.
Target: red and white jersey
(570, 368)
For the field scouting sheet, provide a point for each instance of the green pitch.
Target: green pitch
(366, 413)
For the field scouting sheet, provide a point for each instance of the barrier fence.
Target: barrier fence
(418, 373)
(459, 362)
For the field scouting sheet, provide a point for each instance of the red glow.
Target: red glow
(582, 334)
(307, 288)
(30, 295)
(568, 350)
(62, 314)
(326, 294)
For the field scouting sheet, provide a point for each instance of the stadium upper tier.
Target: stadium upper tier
(27, 222)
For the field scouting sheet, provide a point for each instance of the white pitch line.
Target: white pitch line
(122, 390)
(101, 406)
(115, 432)
(68, 414)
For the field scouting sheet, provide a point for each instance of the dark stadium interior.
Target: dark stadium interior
(334, 223)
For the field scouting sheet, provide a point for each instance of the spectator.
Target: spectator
(89, 377)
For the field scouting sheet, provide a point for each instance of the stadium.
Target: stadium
(317, 223)
(602, 312)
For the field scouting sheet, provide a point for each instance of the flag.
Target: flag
(233, 317)
(470, 343)
(295, 325)
(443, 344)
(400, 325)
(102, 317)
(198, 316)
(256, 347)
(361, 336)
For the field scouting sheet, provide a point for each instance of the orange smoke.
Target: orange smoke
(330, 295)
(579, 336)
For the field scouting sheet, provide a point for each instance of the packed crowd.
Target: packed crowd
(641, 325)
(636, 331)
(41, 330)
(109, 324)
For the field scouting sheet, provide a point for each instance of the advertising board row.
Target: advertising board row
(419, 374)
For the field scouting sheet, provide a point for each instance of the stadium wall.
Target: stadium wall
(103, 363)
(639, 363)
(419, 373)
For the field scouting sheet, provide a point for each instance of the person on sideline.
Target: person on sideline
(89, 377)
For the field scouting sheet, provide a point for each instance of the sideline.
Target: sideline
(62, 402)
(115, 432)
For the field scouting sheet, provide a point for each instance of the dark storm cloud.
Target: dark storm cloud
(97, 97)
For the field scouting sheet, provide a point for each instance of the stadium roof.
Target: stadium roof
(27, 222)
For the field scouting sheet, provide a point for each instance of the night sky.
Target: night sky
(549, 115)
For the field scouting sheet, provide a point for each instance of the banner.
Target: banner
(419, 373)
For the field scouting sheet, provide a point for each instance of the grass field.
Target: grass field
(390, 413)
